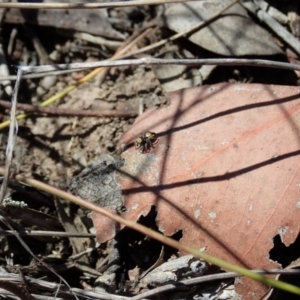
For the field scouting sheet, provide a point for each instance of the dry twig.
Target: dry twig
(13, 129)
(46, 233)
(54, 111)
(88, 5)
(160, 61)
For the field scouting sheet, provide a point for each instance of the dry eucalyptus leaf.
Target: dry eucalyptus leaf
(232, 34)
(225, 171)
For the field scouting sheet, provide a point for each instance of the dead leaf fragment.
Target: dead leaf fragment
(105, 227)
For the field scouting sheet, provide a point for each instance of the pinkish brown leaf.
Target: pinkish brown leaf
(225, 171)
(105, 227)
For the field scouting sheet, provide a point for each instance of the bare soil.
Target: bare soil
(53, 149)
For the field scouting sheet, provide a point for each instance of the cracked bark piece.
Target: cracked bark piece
(96, 183)
(177, 269)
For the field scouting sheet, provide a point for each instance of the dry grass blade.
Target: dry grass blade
(13, 129)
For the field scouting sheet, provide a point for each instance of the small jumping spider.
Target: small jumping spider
(145, 142)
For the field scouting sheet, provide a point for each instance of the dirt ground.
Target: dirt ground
(53, 149)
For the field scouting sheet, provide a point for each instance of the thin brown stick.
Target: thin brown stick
(30, 76)
(46, 233)
(88, 5)
(54, 111)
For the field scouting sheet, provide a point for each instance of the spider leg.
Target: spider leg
(148, 146)
(141, 150)
(154, 141)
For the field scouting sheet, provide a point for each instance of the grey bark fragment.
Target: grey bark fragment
(96, 183)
